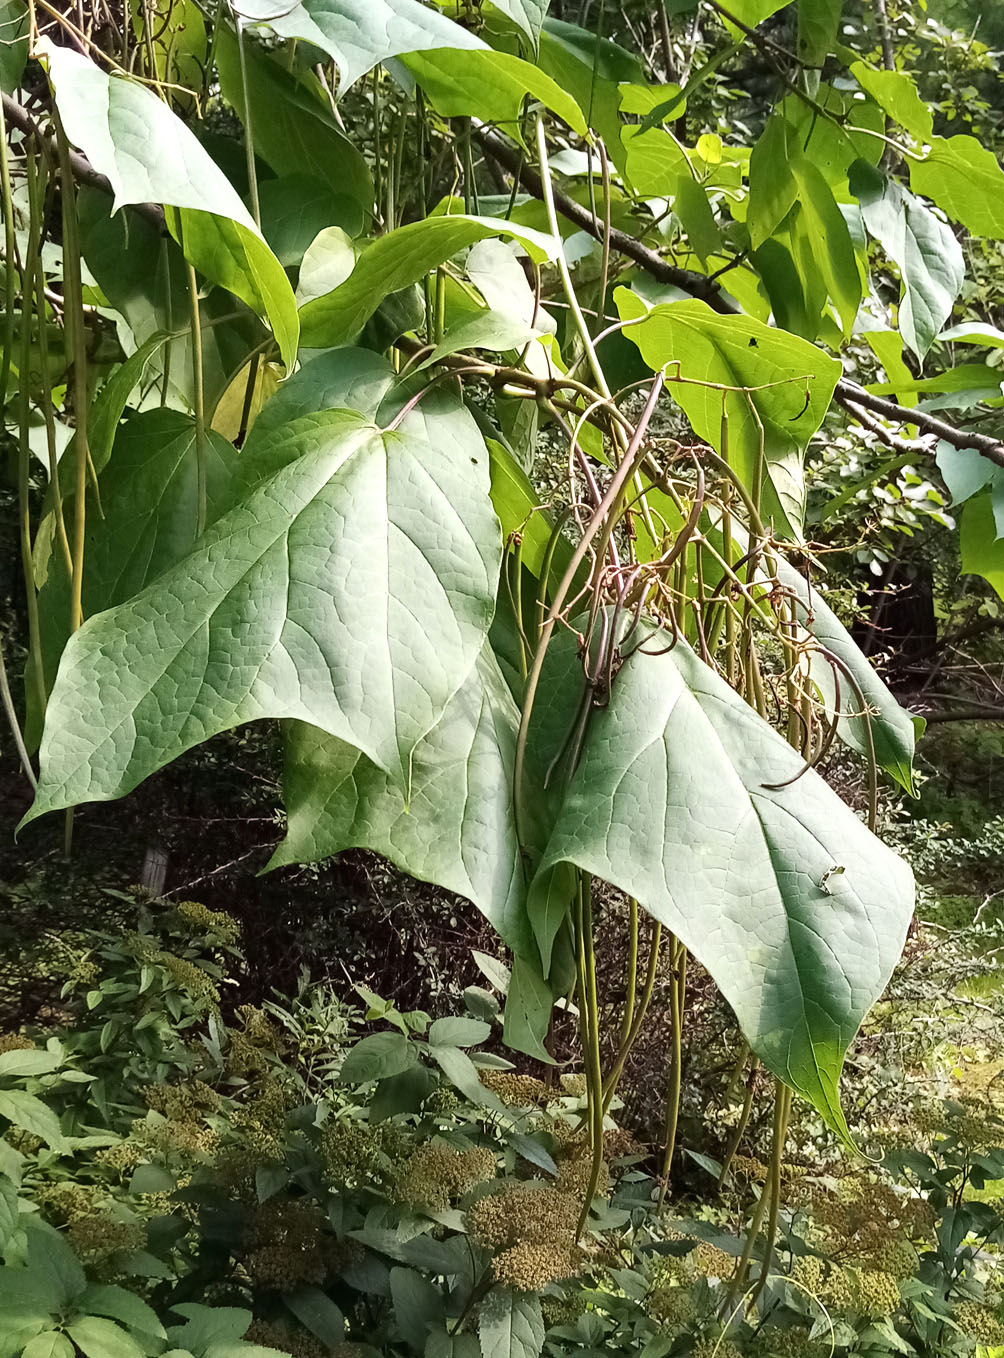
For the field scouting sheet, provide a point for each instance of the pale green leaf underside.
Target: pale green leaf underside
(359, 34)
(670, 804)
(456, 830)
(352, 588)
(397, 259)
(149, 499)
(150, 156)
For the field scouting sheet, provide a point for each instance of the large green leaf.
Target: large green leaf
(510, 1325)
(965, 180)
(591, 69)
(527, 15)
(456, 828)
(691, 340)
(352, 588)
(359, 34)
(897, 94)
(832, 248)
(13, 43)
(399, 258)
(773, 187)
(794, 907)
(143, 276)
(149, 155)
(149, 499)
(296, 207)
(929, 258)
(32, 1115)
(489, 85)
(981, 547)
(292, 129)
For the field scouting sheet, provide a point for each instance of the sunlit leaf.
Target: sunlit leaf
(964, 178)
(794, 381)
(359, 34)
(149, 155)
(395, 260)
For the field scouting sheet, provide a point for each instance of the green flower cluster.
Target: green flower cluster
(980, 1323)
(215, 924)
(358, 1154)
(435, 1174)
(287, 1244)
(532, 1229)
(181, 1102)
(15, 1042)
(519, 1091)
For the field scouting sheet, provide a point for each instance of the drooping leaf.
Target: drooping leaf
(832, 247)
(896, 93)
(693, 210)
(13, 43)
(676, 800)
(397, 259)
(929, 258)
(981, 547)
(818, 21)
(752, 12)
(9, 1210)
(117, 1303)
(965, 471)
(510, 1325)
(462, 1073)
(490, 85)
(592, 69)
(795, 380)
(456, 829)
(359, 34)
(143, 276)
(29, 1113)
(418, 1305)
(293, 129)
(773, 187)
(964, 179)
(149, 155)
(352, 588)
(97, 1337)
(893, 731)
(318, 1313)
(527, 15)
(52, 1260)
(528, 1005)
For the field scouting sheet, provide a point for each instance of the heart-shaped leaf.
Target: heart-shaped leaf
(795, 908)
(351, 588)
